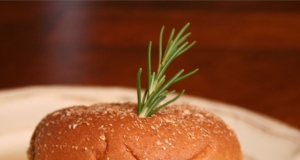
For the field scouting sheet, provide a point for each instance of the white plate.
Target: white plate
(21, 109)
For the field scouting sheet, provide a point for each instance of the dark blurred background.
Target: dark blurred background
(248, 53)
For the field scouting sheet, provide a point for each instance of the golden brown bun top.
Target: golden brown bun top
(115, 132)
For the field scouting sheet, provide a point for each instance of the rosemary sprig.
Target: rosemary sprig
(157, 91)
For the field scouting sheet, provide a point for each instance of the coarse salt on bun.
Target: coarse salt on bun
(113, 131)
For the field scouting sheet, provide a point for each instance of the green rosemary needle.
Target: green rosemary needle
(156, 92)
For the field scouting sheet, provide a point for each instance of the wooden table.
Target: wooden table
(248, 53)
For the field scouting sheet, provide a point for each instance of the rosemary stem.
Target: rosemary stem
(157, 91)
